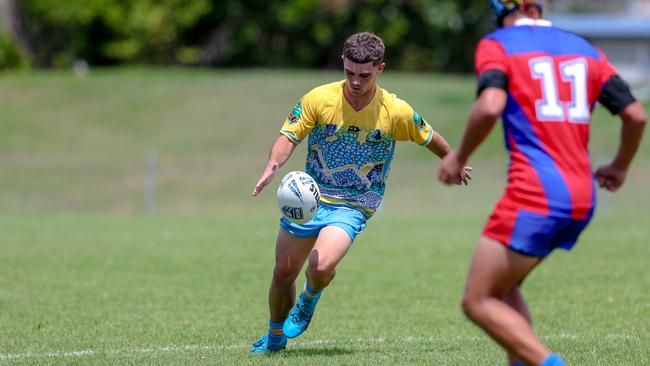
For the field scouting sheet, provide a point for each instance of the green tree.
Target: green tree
(419, 34)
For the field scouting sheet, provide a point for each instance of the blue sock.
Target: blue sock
(518, 364)
(553, 360)
(309, 299)
(275, 332)
(310, 292)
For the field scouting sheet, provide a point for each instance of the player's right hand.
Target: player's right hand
(450, 169)
(265, 179)
(465, 176)
(610, 177)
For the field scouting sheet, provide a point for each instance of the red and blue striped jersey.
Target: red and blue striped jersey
(554, 80)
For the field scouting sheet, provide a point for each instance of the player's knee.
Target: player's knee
(321, 272)
(285, 274)
(469, 305)
(465, 305)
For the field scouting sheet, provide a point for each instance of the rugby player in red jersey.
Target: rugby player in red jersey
(544, 83)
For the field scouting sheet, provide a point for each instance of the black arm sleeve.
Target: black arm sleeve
(616, 95)
(492, 79)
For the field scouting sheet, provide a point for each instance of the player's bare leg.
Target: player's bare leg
(494, 272)
(290, 254)
(331, 246)
(516, 301)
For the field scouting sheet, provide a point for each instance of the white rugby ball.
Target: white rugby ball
(298, 197)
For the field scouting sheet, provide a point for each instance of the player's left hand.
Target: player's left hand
(451, 170)
(610, 177)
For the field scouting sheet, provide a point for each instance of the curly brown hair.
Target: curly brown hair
(364, 47)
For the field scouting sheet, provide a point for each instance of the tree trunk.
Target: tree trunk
(17, 26)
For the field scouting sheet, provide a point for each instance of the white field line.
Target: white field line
(242, 346)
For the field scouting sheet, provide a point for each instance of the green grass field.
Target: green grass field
(87, 278)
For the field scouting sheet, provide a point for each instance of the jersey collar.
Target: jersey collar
(376, 96)
(537, 22)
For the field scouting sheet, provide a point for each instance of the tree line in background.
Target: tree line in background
(433, 35)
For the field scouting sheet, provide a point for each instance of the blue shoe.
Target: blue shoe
(264, 345)
(300, 315)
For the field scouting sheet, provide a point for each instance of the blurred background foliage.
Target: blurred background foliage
(431, 35)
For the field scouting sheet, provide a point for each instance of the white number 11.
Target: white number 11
(550, 108)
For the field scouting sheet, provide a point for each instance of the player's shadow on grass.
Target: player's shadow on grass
(318, 351)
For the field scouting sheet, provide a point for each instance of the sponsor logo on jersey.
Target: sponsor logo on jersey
(419, 122)
(295, 114)
(375, 136)
(354, 129)
(330, 129)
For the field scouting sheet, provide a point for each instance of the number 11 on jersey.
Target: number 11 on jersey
(550, 108)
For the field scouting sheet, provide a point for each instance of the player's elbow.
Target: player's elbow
(487, 112)
(491, 103)
(492, 112)
(634, 114)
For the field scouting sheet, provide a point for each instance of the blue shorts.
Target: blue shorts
(349, 219)
(533, 234)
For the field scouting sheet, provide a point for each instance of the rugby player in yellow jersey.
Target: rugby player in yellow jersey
(352, 126)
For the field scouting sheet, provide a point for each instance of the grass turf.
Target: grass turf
(87, 278)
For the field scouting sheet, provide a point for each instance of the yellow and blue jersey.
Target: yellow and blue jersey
(350, 151)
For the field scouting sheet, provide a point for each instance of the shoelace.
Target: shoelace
(300, 315)
(260, 342)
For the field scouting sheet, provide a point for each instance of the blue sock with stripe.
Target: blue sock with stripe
(309, 298)
(276, 335)
(310, 292)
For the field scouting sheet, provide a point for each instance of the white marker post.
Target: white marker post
(150, 183)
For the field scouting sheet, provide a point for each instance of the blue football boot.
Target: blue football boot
(270, 343)
(301, 314)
